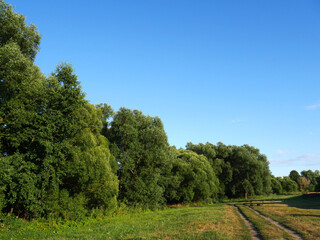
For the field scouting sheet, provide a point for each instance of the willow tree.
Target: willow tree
(191, 179)
(140, 146)
(217, 156)
(242, 170)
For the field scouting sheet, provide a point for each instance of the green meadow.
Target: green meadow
(214, 221)
(218, 221)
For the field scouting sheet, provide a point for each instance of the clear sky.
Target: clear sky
(239, 72)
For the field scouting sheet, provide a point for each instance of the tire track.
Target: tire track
(288, 230)
(253, 231)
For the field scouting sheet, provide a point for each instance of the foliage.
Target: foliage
(276, 185)
(191, 179)
(294, 175)
(288, 185)
(141, 148)
(51, 147)
(241, 170)
(314, 178)
(304, 184)
(216, 156)
(14, 30)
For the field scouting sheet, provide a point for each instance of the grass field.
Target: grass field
(266, 229)
(301, 214)
(217, 221)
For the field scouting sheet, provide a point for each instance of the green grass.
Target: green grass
(218, 221)
(266, 229)
(301, 214)
(272, 197)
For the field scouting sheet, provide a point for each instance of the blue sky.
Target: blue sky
(239, 72)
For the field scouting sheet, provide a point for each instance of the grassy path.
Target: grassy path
(293, 234)
(304, 220)
(253, 231)
(266, 229)
(297, 217)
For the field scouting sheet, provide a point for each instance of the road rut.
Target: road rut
(288, 230)
(253, 231)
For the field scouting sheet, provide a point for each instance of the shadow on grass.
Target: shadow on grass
(305, 201)
(304, 215)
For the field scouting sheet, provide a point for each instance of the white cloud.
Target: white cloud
(308, 159)
(281, 152)
(284, 152)
(237, 120)
(312, 107)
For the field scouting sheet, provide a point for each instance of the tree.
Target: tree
(313, 177)
(22, 88)
(15, 30)
(304, 184)
(294, 175)
(140, 146)
(54, 159)
(191, 179)
(276, 185)
(216, 156)
(288, 185)
(241, 170)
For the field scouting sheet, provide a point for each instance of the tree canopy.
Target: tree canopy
(52, 152)
(141, 148)
(241, 170)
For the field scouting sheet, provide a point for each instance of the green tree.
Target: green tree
(21, 92)
(15, 30)
(294, 175)
(304, 184)
(140, 146)
(53, 157)
(241, 170)
(288, 185)
(276, 185)
(191, 179)
(217, 156)
(313, 177)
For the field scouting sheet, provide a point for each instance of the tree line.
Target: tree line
(307, 181)
(64, 157)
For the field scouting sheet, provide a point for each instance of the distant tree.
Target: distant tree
(288, 185)
(294, 175)
(140, 146)
(251, 173)
(105, 113)
(276, 185)
(313, 177)
(191, 179)
(304, 184)
(317, 187)
(242, 171)
(216, 156)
